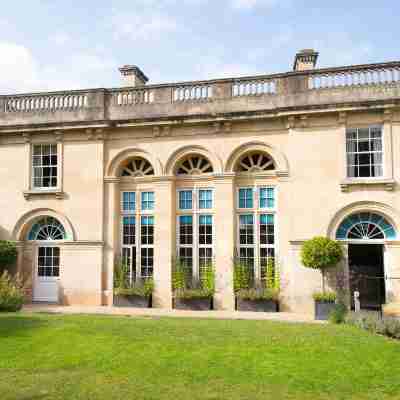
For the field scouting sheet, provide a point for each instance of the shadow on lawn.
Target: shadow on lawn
(13, 324)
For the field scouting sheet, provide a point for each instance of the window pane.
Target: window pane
(185, 200)
(128, 201)
(205, 199)
(186, 230)
(246, 198)
(147, 200)
(44, 164)
(267, 198)
(129, 231)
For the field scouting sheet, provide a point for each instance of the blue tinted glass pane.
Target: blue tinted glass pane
(186, 220)
(246, 198)
(266, 219)
(147, 220)
(147, 200)
(205, 199)
(246, 219)
(129, 201)
(185, 200)
(129, 220)
(205, 220)
(390, 234)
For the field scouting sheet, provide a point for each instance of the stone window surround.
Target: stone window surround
(387, 180)
(30, 141)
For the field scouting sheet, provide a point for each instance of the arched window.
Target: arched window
(255, 162)
(194, 165)
(47, 228)
(365, 226)
(137, 167)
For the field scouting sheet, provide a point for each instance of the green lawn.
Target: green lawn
(105, 357)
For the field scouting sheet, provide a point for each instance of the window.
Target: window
(47, 229)
(205, 199)
(185, 199)
(147, 201)
(256, 229)
(195, 231)
(44, 166)
(138, 234)
(246, 198)
(129, 202)
(49, 262)
(364, 152)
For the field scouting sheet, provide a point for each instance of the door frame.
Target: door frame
(45, 244)
(384, 266)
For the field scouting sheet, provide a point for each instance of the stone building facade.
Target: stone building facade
(248, 167)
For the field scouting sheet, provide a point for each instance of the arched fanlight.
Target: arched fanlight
(255, 162)
(365, 226)
(194, 165)
(47, 228)
(137, 167)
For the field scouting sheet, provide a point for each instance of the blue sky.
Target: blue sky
(53, 44)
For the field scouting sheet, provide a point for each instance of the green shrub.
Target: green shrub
(321, 253)
(327, 297)
(241, 276)
(8, 254)
(11, 292)
(207, 278)
(338, 314)
(142, 288)
(185, 287)
(374, 323)
(124, 287)
(272, 275)
(121, 276)
(258, 294)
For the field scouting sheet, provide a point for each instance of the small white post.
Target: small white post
(357, 306)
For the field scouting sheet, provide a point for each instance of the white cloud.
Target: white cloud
(145, 26)
(20, 71)
(18, 68)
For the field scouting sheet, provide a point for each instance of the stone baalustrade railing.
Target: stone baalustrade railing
(293, 90)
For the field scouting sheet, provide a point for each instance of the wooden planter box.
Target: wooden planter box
(323, 309)
(132, 301)
(192, 304)
(256, 305)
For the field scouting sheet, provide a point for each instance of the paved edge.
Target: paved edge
(161, 313)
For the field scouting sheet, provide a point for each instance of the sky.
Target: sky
(59, 45)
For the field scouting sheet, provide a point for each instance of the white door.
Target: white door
(47, 274)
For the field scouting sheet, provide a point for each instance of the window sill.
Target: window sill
(57, 193)
(388, 184)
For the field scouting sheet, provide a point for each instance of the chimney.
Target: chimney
(305, 60)
(132, 76)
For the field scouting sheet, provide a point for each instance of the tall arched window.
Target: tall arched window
(365, 226)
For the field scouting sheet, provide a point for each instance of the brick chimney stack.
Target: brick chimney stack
(132, 76)
(305, 60)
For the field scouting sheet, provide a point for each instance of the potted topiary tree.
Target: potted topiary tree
(189, 294)
(322, 253)
(262, 296)
(131, 294)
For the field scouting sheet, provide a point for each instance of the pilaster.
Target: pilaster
(164, 243)
(225, 242)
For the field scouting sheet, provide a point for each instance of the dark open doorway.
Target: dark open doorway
(367, 275)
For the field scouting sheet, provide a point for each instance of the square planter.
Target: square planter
(192, 304)
(257, 305)
(323, 309)
(132, 301)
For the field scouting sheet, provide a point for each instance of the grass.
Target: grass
(108, 357)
